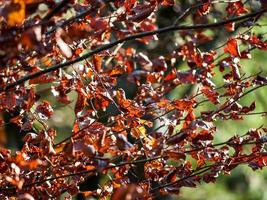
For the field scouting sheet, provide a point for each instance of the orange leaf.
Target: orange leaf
(232, 48)
(15, 12)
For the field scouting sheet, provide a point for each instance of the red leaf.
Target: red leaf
(118, 70)
(43, 79)
(188, 119)
(167, 2)
(212, 95)
(97, 61)
(205, 8)
(232, 48)
(81, 101)
(44, 110)
(255, 41)
(236, 8)
(184, 104)
(128, 4)
(230, 26)
(171, 75)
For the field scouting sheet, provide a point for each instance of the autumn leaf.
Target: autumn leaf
(129, 192)
(14, 12)
(205, 8)
(212, 95)
(236, 8)
(141, 12)
(44, 110)
(133, 91)
(232, 48)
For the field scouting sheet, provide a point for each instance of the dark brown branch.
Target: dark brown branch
(48, 179)
(167, 112)
(221, 109)
(197, 172)
(82, 172)
(263, 113)
(236, 99)
(133, 163)
(129, 38)
(69, 21)
(223, 143)
(56, 9)
(203, 170)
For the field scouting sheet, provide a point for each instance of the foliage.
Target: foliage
(144, 145)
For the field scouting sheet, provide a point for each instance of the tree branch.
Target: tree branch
(56, 9)
(200, 171)
(82, 172)
(74, 18)
(129, 38)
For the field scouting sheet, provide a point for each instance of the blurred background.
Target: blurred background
(243, 183)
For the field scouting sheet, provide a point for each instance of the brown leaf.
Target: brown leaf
(205, 8)
(141, 12)
(43, 79)
(44, 110)
(118, 70)
(236, 8)
(128, 192)
(175, 139)
(212, 95)
(97, 61)
(81, 101)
